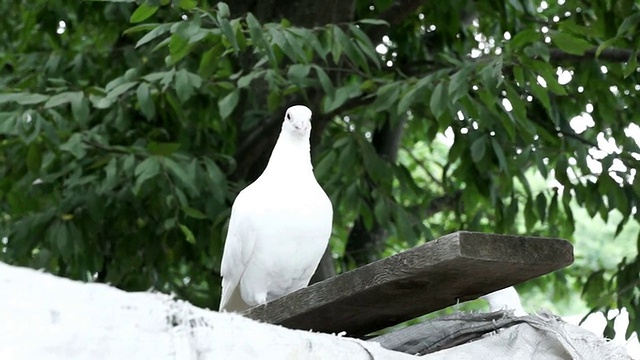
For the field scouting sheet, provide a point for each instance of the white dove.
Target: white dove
(280, 224)
(505, 299)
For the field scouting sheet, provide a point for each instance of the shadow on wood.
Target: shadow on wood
(454, 268)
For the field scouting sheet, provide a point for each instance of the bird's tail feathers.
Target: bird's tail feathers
(232, 300)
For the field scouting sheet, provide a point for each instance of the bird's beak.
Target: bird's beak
(302, 127)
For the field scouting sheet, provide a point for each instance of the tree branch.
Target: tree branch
(394, 15)
(107, 148)
(421, 165)
(610, 54)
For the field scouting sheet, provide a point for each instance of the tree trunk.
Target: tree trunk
(364, 245)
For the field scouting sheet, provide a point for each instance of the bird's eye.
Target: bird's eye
(288, 116)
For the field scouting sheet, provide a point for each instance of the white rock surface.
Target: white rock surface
(46, 317)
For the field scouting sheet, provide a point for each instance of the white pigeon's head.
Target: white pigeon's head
(297, 121)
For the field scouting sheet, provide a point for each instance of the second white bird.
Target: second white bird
(280, 225)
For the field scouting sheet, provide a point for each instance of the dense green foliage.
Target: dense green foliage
(127, 129)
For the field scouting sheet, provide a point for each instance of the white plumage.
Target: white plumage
(280, 224)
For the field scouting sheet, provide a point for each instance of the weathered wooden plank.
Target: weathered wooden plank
(454, 268)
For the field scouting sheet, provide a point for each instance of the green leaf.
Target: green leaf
(538, 50)
(184, 88)
(101, 102)
(257, 36)
(629, 25)
(323, 167)
(352, 51)
(162, 148)
(438, 102)
(147, 106)
(459, 83)
(632, 64)
(30, 99)
(194, 213)
(381, 212)
(145, 170)
(227, 104)
(298, 73)
(187, 4)
(508, 125)
(548, 74)
(340, 43)
(569, 26)
(34, 158)
(553, 208)
(309, 38)
(386, 96)
(541, 206)
(636, 185)
(502, 160)
(478, 149)
(293, 47)
(491, 74)
(143, 12)
(179, 47)
(403, 226)
(524, 37)
(217, 179)
(365, 44)
(110, 179)
(209, 61)
(223, 10)
(141, 27)
(80, 107)
(325, 81)
(179, 173)
(274, 100)
(188, 234)
(605, 45)
(517, 5)
(62, 241)
(341, 95)
(570, 44)
(246, 80)
(529, 215)
(377, 169)
(518, 75)
(609, 331)
(5, 98)
(518, 105)
(407, 100)
(121, 89)
(60, 99)
(541, 94)
(75, 146)
(151, 35)
(228, 32)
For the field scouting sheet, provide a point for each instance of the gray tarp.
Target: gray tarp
(499, 335)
